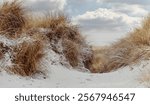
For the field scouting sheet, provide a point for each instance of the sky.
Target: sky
(101, 21)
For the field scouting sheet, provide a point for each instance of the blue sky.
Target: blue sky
(98, 19)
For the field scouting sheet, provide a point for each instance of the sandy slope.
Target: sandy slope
(60, 76)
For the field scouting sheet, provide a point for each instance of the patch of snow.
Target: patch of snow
(60, 76)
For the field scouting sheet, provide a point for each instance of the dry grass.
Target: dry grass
(51, 20)
(1, 50)
(141, 36)
(118, 55)
(98, 63)
(99, 59)
(71, 52)
(26, 57)
(55, 28)
(72, 43)
(48, 21)
(127, 51)
(58, 29)
(58, 26)
(12, 18)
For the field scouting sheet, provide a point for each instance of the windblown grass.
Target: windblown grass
(1, 50)
(53, 29)
(127, 51)
(141, 36)
(26, 57)
(71, 52)
(56, 28)
(12, 18)
(51, 20)
(61, 32)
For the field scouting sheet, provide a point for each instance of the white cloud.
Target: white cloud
(111, 21)
(143, 2)
(106, 19)
(132, 10)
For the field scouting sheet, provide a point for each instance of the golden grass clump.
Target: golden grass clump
(98, 63)
(59, 29)
(52, 30)
(98, 60)
(12, 18)
(50, 20)
(58, 26)
(26, 57)
(127, 51)
(71, 52)
(1, 54)
(1, 51)
(141, 36)
(72, 43)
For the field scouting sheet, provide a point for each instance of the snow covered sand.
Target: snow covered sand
(59, 76)
(54, 49)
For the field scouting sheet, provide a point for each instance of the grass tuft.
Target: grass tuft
(12, 18)
(71, 52)
(127, 51)
(26, 57)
